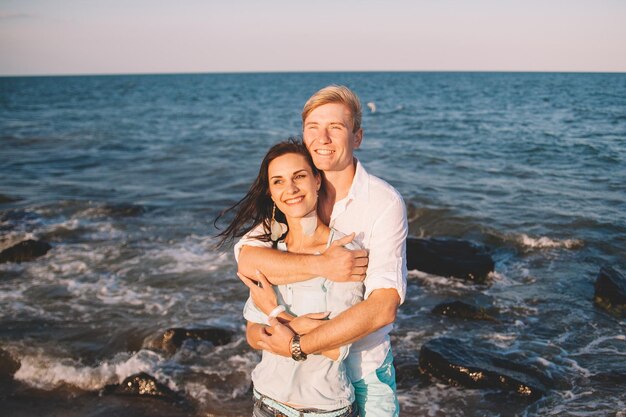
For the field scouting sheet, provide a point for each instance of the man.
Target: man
(353, 201)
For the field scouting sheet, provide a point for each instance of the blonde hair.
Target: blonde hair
(335, 94)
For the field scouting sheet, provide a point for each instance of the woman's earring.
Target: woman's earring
(276, 229)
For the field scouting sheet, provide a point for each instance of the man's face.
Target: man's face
(329, 138)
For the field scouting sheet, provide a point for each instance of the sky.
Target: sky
(52, 37)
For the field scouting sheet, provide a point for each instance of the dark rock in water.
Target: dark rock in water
(456, 363)
(449, 258)
(462, 310)
(121, 210)
(24, 251)
(408, 373)
(610, 291)
(172, 339)
(615, 378)
(142, 384)
(8, 365)
(8, 368)
(7, 199)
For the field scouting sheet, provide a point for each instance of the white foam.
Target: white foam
(594, 346)
(195, 253)
(71, 224)
(573, 365)
(502, 340)
(199, 392)
(545, 242)
(439, 281)
(544, 362)
(44, 372)
(11, 238)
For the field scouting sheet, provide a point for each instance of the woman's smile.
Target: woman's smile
(294, 200)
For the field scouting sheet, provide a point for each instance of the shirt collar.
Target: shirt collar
(359, 190)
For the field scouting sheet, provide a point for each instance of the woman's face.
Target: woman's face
(292, 185)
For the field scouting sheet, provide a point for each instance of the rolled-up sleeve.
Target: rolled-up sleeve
(387, 256)
(251, 239)
(252, 313)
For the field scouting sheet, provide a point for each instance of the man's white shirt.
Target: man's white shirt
(376, 213)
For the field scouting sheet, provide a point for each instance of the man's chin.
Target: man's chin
(323, 165)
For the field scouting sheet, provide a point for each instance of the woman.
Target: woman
(286, 189)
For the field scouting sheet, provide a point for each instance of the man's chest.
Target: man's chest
(354, 218)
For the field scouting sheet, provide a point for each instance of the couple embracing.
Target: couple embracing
(323, 253)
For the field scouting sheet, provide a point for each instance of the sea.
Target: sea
(124, 176)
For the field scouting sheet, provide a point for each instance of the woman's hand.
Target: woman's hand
(261, 291)
(307, 322)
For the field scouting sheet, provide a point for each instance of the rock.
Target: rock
(144, 385)
(7, 199)
(118, 210)
(408, 373)
(8, 368)
(610, 291)
(24, 251)
(449, 258)
(453, 361)
(173, 338)
(462, 310)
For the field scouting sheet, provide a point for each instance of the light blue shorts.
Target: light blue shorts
(376, 393)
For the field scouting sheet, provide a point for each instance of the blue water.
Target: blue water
(125, 174)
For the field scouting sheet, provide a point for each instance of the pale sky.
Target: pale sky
(156, 36)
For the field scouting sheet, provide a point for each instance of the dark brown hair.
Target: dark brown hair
(256, 206)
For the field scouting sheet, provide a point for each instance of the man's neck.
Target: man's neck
(336, 187)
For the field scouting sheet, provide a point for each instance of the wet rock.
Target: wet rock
(8, 368)
(449, 258)
(408, 372)
(173, 338)
(116, 210)
(7, 199)
(462, 310)
(24, 251)
(144, 385)
(454, 362)
(610, 291)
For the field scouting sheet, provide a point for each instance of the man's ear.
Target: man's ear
(358, 138)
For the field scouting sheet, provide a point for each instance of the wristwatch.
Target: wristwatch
(296, 352)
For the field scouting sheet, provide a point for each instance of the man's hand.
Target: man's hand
(307, 322)
(277, 339)
(344, 265)
(261, 292)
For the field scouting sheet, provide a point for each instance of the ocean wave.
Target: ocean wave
(46, 372)
(545, 242)
(437, 281)
(195, 253)
(14, 237)
(610, 346)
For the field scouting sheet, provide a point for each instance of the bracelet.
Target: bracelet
(277, 310)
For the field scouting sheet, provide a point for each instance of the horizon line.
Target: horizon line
(109, 74)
